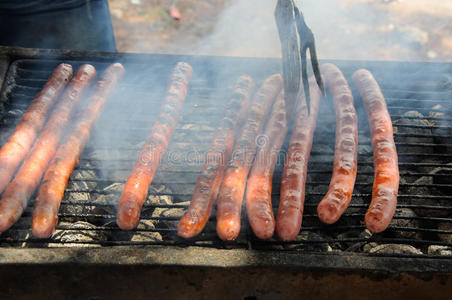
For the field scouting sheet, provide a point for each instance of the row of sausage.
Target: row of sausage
(239, 164)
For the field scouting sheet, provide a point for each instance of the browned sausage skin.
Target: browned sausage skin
(21, 188)
(339, 194)
(17, 146)
(259, 187)
(208, 184)
(136, 187)
(290, 210)
(386, 180)
(56, 176)
(233, 186)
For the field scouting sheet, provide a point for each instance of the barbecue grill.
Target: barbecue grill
(90, 256)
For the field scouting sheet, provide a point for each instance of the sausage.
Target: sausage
(291, 204)
(386, 179)
(208, 183)
(31, 122)
(258, 198)
(21, 188)
(233, 186)
(137, 184)
(345, 165)
(51, 190)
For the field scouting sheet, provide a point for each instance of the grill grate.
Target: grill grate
(419, 98)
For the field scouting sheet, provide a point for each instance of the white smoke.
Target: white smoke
(344, 29)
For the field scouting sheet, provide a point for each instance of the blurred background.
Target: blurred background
(409, 30)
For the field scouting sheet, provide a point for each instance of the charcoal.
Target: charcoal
(445, 237)
(79, 185)
(425, 190)
(77, 234)
(412, 114)
(414, 118)
(444, 175)
(159, 189)
(146, 236)
(365, 150)
(106, 199)
(15, 113)
(160, 199)
(395, 249)
(68, 209)
(408, 220)
(174, 213)
(84, 175)
(78, 196)
(15, 234)
(106, 203)
(114, 187)
(439, 250)
(111, 197)
(437, 114)
(171, 189)
(310, 241)
(169, 212)
(369, 246)
(352, 234)
(118, 174)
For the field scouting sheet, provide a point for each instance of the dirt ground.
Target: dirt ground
(407, 30)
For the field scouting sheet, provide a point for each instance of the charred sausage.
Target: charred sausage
(339, 194)
(259, 187)
(233, 186)
(290, 210)
(32, 121)
(386, 180)
(19, 191)
(208, 183)
(56, 176)
(136, 187)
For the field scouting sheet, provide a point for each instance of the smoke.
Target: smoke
(344, 29)
(245, 29)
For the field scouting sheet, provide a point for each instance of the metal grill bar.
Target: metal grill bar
(87, 214)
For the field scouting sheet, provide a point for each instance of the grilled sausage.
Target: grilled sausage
(233, 186)
(19, 191)
(208, 184)
(345, 165)
(259, 187)
(290, 210)
(55, 179)
(28, 127)
(386, 180)
(136, 187)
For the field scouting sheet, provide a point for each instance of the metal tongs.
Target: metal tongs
(296, 38)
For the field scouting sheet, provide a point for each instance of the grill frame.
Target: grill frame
(189, 255)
